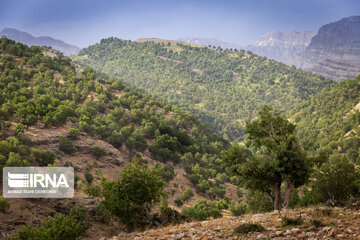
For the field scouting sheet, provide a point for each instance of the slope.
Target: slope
(330, 120)
(221, 87)
(55, 113)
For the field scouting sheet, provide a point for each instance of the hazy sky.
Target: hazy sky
(84, 22)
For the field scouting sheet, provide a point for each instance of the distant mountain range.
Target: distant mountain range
(30, 40)
(333, 51)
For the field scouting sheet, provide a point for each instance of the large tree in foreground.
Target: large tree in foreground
(278, 159)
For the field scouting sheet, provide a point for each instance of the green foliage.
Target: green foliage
(237, 209)
(165, 148)
(44, 157)
(98, 152)
(178, 202)
(88, 177)
(57, 228)
(168, 173)
(335, 181)
(32, 91)
(19, 128)
(259, 202)
(15, 160)
(66, 145)
(73, 133)
(186, 194)
(222, 204)
(248, 227)
(279, 158)
(4, 204)
(202, 210)
(329, 121)
(131, 198)
(222, 88)
(93, 190)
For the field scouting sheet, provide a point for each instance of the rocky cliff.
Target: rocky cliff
(335, 50)
(282, 46)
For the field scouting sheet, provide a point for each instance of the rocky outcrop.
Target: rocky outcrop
(30, 40)
(335, 50)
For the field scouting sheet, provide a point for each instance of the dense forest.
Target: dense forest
(329, 121)
(224, 88)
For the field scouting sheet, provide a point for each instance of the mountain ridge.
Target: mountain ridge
(28, 39)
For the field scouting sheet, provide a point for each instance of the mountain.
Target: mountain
(212, 42)
(335, 49)
(330, 120)
(55, 112)
(221, 87)
(30, 40)
(282, 46)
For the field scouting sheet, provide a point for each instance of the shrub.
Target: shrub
(316, 223)
(43, 157)
(19, 128)
(93, 191)
(287, 221)
(202, 210)
(66, 146)
(89, 177)
(4, 204)
(222, 204)
(238, 209)
(186, 194)
(73, 133)
(335, 181)
(259, 202)
(57, 228)
(248, 227)
(98, 152)
(131, 198)
(79, 212)
(168, 173)
(168, 216)
(100, 214)
(15, 160)
(178, 202)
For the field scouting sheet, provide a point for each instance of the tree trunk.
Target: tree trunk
(276, 188)
(289, 188)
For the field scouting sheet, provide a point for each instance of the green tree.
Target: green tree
(131, 198)
(66, 145)
(335, 180)
(279, 159)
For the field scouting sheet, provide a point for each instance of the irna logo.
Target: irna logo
(18, 180)
(38, 182)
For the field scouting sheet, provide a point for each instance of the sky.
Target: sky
(86, 22)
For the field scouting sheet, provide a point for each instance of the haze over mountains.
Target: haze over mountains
(333, 51)
(30, 40)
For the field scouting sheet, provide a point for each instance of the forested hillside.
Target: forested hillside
(330, 120)
(223, 88)
(54, 114)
